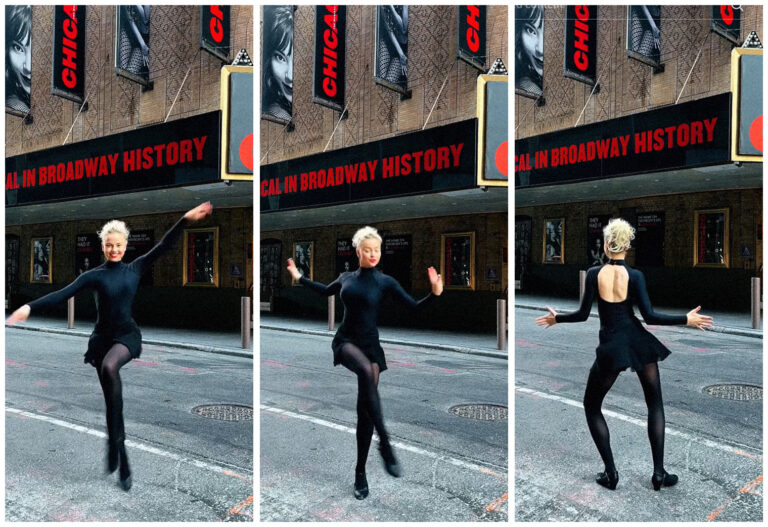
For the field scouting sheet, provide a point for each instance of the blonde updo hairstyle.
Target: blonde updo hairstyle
(114, 226)
(618, 235)
(365, 233)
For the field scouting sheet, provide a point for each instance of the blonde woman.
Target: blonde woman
(624, 343)
(356, 344)
(116, 339)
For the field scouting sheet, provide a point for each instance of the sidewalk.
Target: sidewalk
(225, 343)
(732, 322)
(471, 343)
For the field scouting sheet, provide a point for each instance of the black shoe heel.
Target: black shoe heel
(663, 480)
(391, 465)
(125, 470)
(361, 485)
(608, 480)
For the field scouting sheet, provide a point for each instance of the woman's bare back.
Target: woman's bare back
(613, 283)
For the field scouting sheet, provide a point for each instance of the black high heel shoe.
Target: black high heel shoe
(609, 480)
(111, 457)
(663, 479)
(361, 485)
(391, 465)
(125, 470)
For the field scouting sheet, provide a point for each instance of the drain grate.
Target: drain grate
(482, 412)
(735, 392)
(224, 412)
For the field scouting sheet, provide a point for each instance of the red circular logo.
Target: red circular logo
(726, 13)
(246, 151)
(502, 158)
(756, 133)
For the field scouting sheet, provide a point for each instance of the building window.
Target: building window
(201, 257)
(710, 243)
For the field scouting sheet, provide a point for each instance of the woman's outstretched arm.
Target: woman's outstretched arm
(397, 291)
(144, 262)
(581, 314)
(51, 299)
(327, 290)
(652, 317)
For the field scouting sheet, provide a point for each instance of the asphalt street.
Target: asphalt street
(455, 467)
(713, 444)
(185, 467)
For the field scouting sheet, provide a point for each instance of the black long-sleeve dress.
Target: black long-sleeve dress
(362, 292)
(114, 285)
(624, 342)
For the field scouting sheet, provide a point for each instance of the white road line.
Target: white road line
(404, 446)
(639, 422)
(133, 444)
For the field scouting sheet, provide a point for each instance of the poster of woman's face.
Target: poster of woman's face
(391, 60)
(277, 63)
(40, 268)
(132, 43)
(553, 241)
(302, 257)
(529, 50)
(644, 34)
(18, 58)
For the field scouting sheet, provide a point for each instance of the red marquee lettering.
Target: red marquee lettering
(216, 26)
(473, 35)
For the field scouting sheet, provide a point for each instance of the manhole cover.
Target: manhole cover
(483, 412)
(735, 392)
(224, 412)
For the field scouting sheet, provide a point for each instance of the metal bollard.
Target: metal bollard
(755, 303)
(331, 312)
(71, 313)
(245, 321)
(582, 284)
(501, 324)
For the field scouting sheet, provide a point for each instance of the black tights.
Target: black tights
(598, 384)
(109, 377)
(369, 414)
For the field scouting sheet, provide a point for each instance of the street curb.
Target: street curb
(430, 345)
(155, 342)
(730, 330)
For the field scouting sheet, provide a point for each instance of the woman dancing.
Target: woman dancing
(356, 344)
(116, 339)
(624, 343)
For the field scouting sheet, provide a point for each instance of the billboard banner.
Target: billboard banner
(644, 33)
(726, 22)
(529, 50)
(18, 58)
(472, 35)
(68, 77)
(330, 56)
(581, 43)
(132, 43)
(215, 30)
(277, 63)
(391, 57)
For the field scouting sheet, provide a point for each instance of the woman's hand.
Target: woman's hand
(436, 281)
(20, 315)
(698, 321)
(292, 269)
(199, 212)
(547, 320)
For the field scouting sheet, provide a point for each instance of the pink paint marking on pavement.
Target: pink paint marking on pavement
(521, 342)
(42, 384)
(190, 370)
(302, 384)
(403, 364)
(273, 363)
(554, 363)
(9, 362)
(702, 350)
(446, 370)
(143, 363)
